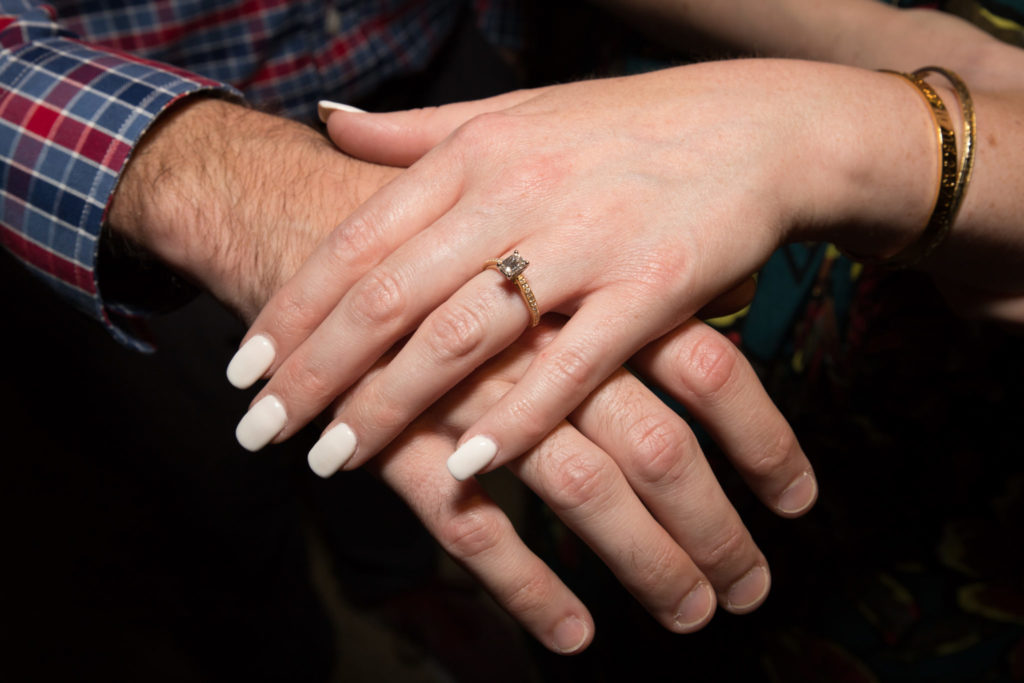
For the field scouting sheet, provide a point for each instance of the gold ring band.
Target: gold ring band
(512, 267)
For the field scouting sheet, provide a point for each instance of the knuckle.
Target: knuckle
(654, 277)
(729, 544)
(775, 455)
(455, 331)
(660, 447)
(291, 318)
(482, 129)
(494, 134)
(471, 533)
(356, 241)
(529, 420)
(379, 298)
(577, 480)
(569, 368)
(306, 378)
(530, 595)
(497, 140)
(534, 177)
(651, 273)
(662, 567)
(708, 366)
(377, 408)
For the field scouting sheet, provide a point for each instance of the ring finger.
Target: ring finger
(480, 320)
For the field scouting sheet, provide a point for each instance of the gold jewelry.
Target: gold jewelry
(963, 98)
(947, 200)
(512, 267)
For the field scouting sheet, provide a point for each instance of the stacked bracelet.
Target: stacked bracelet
(963, 97)
(953, 176)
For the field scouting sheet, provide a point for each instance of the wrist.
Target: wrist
(194, 193)
(232, 198)
(871, 186)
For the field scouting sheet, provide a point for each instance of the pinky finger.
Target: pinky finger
(477, 534)
(712, 378)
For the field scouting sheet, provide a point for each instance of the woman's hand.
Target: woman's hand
(637, 201)
(625, 472)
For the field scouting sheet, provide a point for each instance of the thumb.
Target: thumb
(400, 138)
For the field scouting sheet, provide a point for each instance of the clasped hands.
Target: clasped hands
(393, 331)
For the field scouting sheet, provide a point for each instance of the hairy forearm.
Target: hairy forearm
(235, 199)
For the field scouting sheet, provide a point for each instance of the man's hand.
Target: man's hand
(236, 199)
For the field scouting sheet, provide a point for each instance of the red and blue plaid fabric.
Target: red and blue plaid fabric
(81, 81)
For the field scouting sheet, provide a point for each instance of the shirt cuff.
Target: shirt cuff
(71, 115)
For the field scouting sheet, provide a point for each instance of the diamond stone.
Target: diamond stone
(513, 265)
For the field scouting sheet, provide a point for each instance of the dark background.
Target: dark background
(140, 542)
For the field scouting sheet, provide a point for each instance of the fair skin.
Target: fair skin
(638, 200)
(237, 200)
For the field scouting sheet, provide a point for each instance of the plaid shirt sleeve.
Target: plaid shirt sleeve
(70, 115)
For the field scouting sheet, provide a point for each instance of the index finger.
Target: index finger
(475, 531)
(361, 241)
(399, 138)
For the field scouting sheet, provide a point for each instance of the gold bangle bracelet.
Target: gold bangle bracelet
(963, 97)
(946, 202)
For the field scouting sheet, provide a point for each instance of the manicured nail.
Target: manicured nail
(799, 496)
(261, 424)
(570, 634)
(333, 450)
(749, 591)
(695, 608)
(471, 457)
(251, 361)
(324, 108)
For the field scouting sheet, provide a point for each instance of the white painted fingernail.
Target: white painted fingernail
(332, 451)
(471, 457)
(251, 361)
(324, 108)
(261, 424)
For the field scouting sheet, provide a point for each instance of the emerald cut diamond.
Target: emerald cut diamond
(512, 265)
